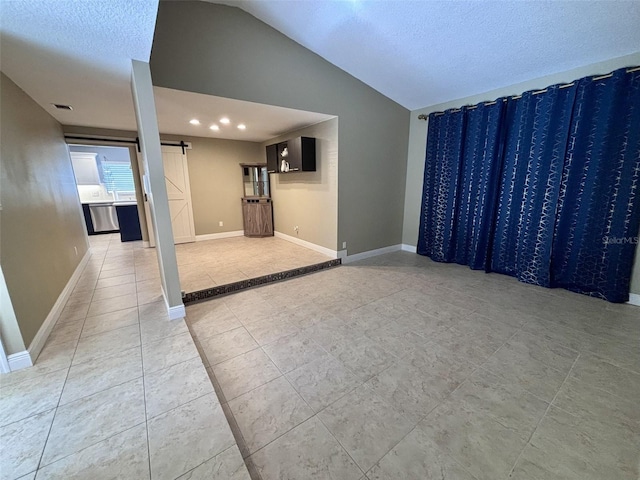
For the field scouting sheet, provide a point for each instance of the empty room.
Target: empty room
(358, 240)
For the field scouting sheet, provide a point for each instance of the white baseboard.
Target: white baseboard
(177, 312)
(634, 299)
(371, 253)
(45, 329)
(19, 360)
(311, 246)
(146, 244)
(409, 248)
(4, 361)
(216, 236)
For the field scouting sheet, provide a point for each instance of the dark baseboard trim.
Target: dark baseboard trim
(219, 290)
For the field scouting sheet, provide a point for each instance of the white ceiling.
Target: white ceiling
(176, 108)
(418, 53)
(422, 53)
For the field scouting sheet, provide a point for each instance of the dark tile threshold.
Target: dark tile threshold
(234, 287)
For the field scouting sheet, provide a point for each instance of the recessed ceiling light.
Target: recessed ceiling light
(215, 128)
(242, 126)
(225, 120)
(60, 106)
(194, 121)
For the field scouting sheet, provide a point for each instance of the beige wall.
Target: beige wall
(41, 219)
(220, 50)
(418, 138)
(309, 200)
(215, 178)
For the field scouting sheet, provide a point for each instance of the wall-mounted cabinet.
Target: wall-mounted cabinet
(272, 158)
(295, 155)
(85, 168)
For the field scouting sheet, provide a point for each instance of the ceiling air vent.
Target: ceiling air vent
(59, 106)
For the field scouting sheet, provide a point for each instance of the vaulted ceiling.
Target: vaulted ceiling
(417, 53)
(426, 52)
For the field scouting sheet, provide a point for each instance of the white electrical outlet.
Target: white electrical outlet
(220, 224)
(344, 245)
(295, 229)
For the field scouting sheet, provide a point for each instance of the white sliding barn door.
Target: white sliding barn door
(176, 175)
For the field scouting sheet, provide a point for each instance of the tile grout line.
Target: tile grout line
(208, 459)
(273, 440)
(144, 382)
(87, 447)
(226, 410)
(99, 272)
(317, 414)
(55, 413)
(425, 416)
(543, 416)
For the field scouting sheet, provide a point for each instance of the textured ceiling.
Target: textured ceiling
(77, 52)
(421, 53)
(418, 53)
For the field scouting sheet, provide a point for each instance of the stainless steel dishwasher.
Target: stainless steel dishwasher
(104, 217)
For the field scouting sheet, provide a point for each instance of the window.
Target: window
(116, 176)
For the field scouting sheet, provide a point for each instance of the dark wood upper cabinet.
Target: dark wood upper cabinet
(272, 158)
(283, 153)
(299, 153)
(302, 154)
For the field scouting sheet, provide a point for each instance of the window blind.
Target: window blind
(117, 176)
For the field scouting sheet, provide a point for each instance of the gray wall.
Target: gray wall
(309, 200)
(41, 220)
(418, 138)
(223, 51)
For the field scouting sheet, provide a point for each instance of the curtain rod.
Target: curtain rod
(423, 116)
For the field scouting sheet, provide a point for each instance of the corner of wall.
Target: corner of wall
(9, 329)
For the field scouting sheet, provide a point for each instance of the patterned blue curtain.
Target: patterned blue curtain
(537, 129)
(599, 206)
(460, 184)
(478, 185)
(441, 180)
(542, 187)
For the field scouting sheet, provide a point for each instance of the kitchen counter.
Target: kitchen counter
(123, 218)
(111, 202)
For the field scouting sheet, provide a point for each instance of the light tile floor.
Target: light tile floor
(119, 391)
(395, 367)
(218, 262)
(401, 368)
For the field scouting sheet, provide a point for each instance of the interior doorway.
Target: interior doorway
(108, 190)
(176, 174)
